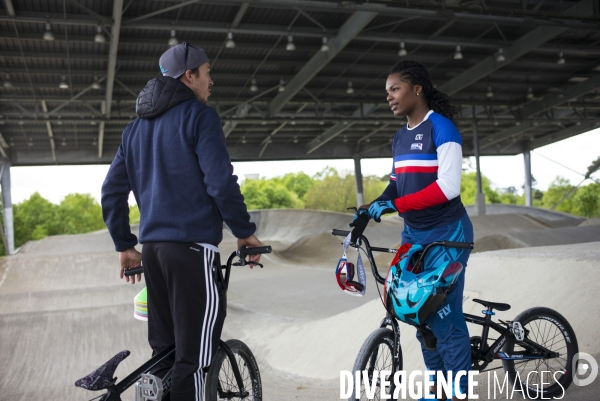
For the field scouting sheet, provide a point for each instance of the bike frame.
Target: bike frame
(115, 390)
(485, 353)
(490, 353)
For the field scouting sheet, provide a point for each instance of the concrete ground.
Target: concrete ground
(64, 312)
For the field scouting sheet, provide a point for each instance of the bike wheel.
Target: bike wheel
(220, 380)
(376, 354)
(552, 331)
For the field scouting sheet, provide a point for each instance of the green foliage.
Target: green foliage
(36, 217)
(134, 214)
(79, 213)
(587, 200)
(556, 191)
(468, 189)
(298, 183)
(331, 192)
(269, 194)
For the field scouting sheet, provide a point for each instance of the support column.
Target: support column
(479, 196)
(360, 198)
(527, 159)
(7, 205)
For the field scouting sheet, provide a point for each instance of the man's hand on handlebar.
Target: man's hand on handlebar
(128, 259)
(250, 242)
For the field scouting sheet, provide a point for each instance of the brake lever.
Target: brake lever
(242, 262)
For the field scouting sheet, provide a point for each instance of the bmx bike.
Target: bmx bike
(232, 375)
(537, 339)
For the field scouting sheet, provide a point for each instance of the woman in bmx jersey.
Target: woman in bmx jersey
(424, 189)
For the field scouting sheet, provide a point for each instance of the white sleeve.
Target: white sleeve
(449, 157)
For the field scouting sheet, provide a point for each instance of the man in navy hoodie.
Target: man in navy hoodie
(174, 159)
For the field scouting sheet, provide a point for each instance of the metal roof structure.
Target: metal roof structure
(297, 79)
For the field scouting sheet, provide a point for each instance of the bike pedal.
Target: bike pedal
(149, 388)
(517, 330)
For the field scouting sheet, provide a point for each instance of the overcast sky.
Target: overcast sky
(576, 153)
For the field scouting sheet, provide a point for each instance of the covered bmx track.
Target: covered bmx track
(64, 312)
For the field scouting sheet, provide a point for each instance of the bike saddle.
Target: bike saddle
(102, 377)
(494, 305)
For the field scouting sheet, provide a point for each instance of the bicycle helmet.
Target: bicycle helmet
(412, 295)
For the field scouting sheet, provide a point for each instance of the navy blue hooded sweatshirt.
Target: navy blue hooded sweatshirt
(174, 159)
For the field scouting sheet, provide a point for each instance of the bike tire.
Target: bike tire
(551, 330)
(376, 353)
(220, 375)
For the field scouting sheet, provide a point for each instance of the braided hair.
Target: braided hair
(417, 74)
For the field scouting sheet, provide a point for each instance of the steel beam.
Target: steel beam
(518, 48)
(442, 14)
(49, 129)
(241, 112)
(2, 146)
(539, 106)
(101, 132)
(360, 196)
(337, 129)
(572, 92)
(10, 10)
(417, 39)
(161, 11)
(112, 54)
(7, 205)
(352, 27)
(505, 134)
(528, 187)
(97, 16)
(564, 133)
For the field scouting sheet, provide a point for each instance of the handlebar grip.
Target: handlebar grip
(134, 270)
(466, 245)
(257, 250)
(340, 233)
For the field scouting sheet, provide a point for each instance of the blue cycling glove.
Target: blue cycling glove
(378, 208)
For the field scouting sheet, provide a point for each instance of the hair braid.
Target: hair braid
(417, 74)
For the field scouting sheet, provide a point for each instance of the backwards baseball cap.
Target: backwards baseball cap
(180, 58)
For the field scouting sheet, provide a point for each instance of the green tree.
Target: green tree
(80, 213)
(331, 191)
(587, 200)
(269, 194)
(34, 219)
(468, 189)
(134, 214)
(556, 191)
(298, 183)
(373, 186)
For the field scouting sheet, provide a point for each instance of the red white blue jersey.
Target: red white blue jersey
(426, 173)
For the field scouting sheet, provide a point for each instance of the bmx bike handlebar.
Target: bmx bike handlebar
(241, 253)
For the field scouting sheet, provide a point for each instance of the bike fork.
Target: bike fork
(390, 321)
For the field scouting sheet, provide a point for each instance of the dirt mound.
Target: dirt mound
(591, 222)
(495, 242)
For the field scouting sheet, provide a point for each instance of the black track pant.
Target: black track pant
(185, 307)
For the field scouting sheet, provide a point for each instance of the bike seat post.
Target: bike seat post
(488, 312)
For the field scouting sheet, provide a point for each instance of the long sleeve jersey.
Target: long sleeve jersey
(175, 161)
(426, 172)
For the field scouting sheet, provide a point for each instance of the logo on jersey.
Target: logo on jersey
(419, 137)
(416, 146)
